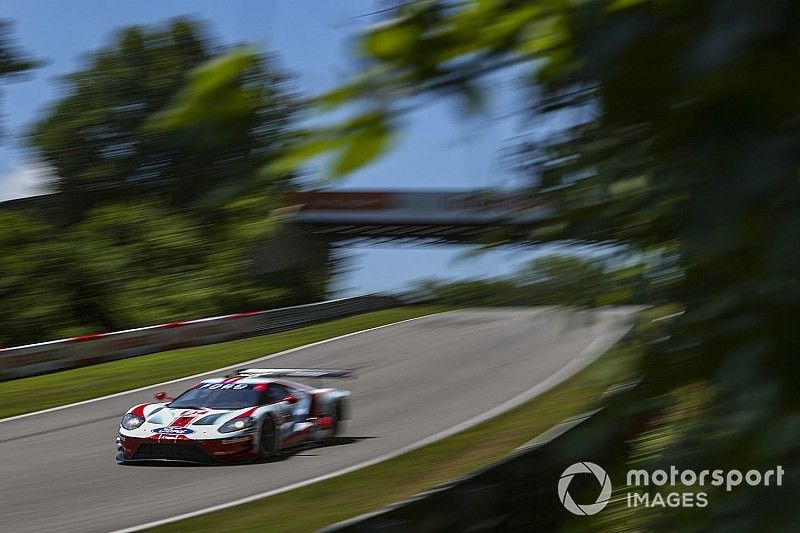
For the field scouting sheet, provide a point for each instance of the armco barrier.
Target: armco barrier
(519, 493)
(43, 357)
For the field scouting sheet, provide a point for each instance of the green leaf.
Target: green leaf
(339, 96)
(628, 186)
(544, 35)
(364, 147)
(302, 152)
(222, 71)
(617, 5)
(391, 41)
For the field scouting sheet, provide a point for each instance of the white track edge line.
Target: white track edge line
(588, 355)
(214, 371)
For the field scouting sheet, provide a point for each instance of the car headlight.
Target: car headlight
(237, 424)
(132, 421)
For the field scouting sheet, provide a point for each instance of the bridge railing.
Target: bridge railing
(44, 357)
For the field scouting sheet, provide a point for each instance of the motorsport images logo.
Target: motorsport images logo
(664, 487)
(584, 467)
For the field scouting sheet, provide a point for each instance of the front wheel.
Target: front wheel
(269, 438)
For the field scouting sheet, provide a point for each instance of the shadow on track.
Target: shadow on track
(286, 454)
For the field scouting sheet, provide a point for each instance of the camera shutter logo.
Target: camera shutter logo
(584, 467)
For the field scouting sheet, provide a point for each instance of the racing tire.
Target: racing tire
(336, 416)
(269, 439)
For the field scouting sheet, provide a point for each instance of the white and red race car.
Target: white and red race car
(244, 417)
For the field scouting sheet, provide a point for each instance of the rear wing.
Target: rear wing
(295, 373)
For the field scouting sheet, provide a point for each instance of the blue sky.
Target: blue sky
(314, 40)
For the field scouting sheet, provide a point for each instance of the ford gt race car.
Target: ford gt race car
(248, 416)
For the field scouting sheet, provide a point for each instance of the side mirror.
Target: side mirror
(291, 399)
(162, 396)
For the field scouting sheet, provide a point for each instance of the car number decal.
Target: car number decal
(234, 386)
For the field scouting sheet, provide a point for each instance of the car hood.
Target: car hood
(169, 416)
(161, 420)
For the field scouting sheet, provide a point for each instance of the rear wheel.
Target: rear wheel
(269, 438)
(336, 414)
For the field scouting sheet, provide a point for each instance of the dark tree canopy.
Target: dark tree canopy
(13, 61)
(103, 143)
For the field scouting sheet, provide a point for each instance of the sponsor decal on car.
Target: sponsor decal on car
(173, 431)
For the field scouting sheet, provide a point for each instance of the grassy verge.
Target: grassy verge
(51, 390)
(373, 487)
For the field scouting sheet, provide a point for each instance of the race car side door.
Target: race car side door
(282, 410)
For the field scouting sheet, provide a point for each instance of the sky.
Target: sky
(314, 39)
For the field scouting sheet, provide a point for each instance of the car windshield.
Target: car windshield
(217, 398)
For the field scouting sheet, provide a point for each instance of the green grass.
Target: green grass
(373, 487)
(59, 388)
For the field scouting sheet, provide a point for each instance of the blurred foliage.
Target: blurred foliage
(129, 264)
(34, 300)
(108, 139)
(13, 62)
(155, 213)
(679, 134)
(550, 280)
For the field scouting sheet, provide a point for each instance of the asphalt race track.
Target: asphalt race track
(417, 378)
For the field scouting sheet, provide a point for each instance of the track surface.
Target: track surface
(417, 378)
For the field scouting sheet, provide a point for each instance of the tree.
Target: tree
(34, 293)
(557, 279)
(124, 265)
(140, 263)
(13, 62)
(100, 140)
(156, 214)
(684, 143)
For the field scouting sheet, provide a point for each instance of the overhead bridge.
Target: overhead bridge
(456, 217)
(321, 220)
(434, 217)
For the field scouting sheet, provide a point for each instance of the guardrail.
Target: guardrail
(519, 493)
(44, 357)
